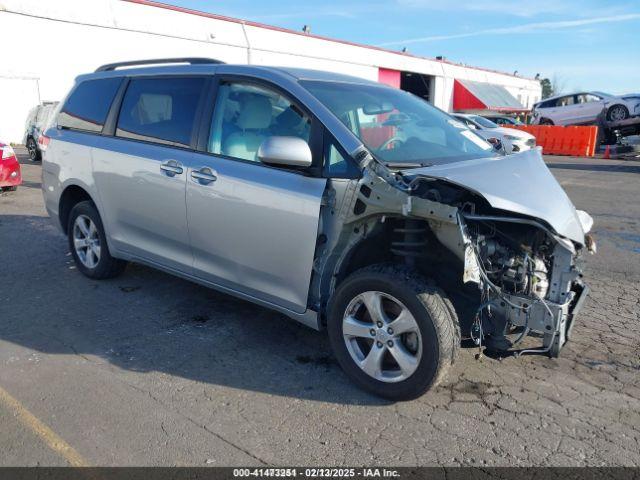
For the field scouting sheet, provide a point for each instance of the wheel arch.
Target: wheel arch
(71, 196)
(368, 251)
(378, 248)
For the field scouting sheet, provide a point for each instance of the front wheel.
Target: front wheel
(617, 113)
(392, 331)
(88, 243)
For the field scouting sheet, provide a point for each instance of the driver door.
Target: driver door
(253, 228)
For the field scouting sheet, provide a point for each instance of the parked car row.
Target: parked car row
(37, 120)
(512, 140)
(503, 120)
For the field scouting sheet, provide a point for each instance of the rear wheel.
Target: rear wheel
(32, 147)
(392, 331)
(617, 113)
(88, 243)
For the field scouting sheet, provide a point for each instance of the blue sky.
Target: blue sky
(583, 44)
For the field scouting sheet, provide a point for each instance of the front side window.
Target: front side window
(160, 110)
(246, 114)
(397, 127)
(88, 106)
(566, 101)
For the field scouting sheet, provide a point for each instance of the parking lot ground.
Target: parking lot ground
(148, 369)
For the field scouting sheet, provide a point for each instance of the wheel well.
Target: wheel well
(383, 247)
(71, 196)
(372, 250)
(436, 263)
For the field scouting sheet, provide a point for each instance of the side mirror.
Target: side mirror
(289, 151)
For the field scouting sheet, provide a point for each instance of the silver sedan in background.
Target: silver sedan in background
(512, 140)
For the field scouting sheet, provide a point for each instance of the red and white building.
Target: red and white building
(47, 43)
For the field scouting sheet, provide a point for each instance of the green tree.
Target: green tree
(547, 88)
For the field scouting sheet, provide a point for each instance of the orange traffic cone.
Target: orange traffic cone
(607, 152)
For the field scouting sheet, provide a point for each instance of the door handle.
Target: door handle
(171, 168)
(204, 176)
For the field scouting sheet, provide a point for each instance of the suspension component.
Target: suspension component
(410, 240)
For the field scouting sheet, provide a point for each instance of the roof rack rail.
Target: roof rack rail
(159, 61)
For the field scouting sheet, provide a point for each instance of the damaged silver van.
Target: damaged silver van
(347, 205)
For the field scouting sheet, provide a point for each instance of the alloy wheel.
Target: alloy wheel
(86, 241)
(32, 149)
(382, 336)
(617, 113)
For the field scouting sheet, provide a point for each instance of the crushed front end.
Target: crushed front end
(508, 257)
(530, 282)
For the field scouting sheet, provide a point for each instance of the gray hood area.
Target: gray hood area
(519, 183)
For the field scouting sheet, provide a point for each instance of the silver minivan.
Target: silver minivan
(350, 206)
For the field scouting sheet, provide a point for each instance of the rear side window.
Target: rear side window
(160, 110)
(88, 106)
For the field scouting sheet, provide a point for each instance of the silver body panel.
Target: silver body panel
(67, 163)
(146, 210)
(254, 228)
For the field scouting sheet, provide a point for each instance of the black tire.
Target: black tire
(9, 189)
(34, 152)
(433, 312)
(622, 108)
(107, 266)
(546, 121)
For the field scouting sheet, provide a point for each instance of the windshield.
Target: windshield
(483, 122)
(397, 127)
(506, 121)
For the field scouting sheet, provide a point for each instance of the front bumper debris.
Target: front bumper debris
(582, 291)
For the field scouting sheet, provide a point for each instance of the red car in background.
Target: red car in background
(10, 174)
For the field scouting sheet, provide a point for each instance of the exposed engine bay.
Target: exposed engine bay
(512, 273)
(517, 265)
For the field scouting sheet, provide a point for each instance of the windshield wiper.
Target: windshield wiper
(407, 164)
